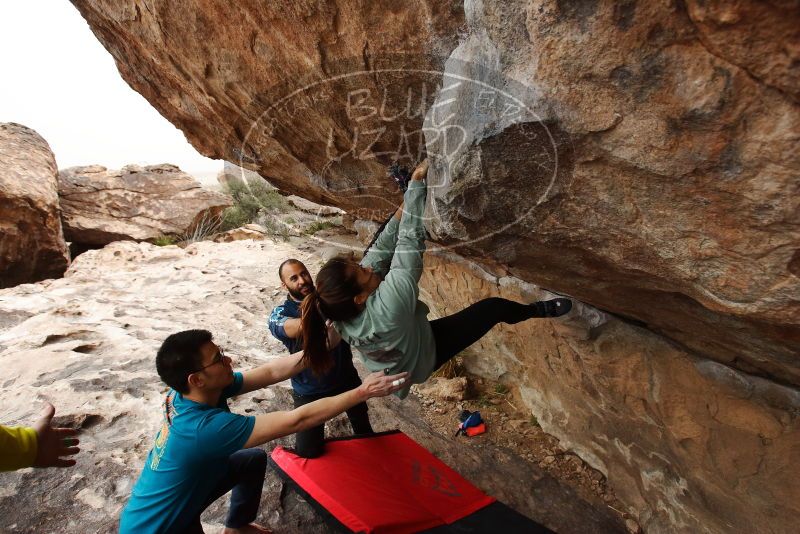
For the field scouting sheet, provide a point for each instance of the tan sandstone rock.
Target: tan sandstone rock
(32, 245)
(762, 38)
(680, 438)
(248, 231)
(448, 389)
(313, 208)
(288, 89)
(631, 168)
(232, 175)
(135, 203)
(624, 153)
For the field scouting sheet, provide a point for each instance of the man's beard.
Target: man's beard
(297, 295)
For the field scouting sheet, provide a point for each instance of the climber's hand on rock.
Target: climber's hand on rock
(421, 171)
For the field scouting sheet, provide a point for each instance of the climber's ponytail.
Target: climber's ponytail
(336, 288)
(315, 336)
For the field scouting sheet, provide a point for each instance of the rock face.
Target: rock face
(641, 167)
(313, 208)
(449, 389)
(86, 343)
(639, 156)
(32, 245)
(285, 88)
(689, 444)
(627, 154)
(253, 232)
(232, 175)
(135, 203)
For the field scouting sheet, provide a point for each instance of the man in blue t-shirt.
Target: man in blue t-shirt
(284, 324)
(203, 451)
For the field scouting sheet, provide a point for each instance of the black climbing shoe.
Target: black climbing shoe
(552, 308)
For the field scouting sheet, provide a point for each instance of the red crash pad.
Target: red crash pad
(384, 483)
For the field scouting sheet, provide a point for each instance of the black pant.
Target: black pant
(246, 470)
(311, 443)
(456, 332)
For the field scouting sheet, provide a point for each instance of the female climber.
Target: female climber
(375, 305)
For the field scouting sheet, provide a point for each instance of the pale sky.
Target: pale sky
(58, 79)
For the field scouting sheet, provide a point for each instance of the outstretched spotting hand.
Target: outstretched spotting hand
(421, 171)
(379, 384)
(53, 443)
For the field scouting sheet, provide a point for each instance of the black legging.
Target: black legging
(310, 443)
(456, 332)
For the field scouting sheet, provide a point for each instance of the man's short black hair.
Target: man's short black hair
(286, 262)
(180, 356)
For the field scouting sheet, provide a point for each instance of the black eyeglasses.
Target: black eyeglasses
(217, 359)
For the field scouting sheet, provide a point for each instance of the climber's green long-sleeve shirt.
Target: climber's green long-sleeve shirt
(393, 330)
(17, 447)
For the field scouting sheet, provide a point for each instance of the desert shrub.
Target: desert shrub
(165, 240)
(316, 226)
(251, 203)
(208, 224)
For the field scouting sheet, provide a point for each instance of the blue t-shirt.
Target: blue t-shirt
(188, 460)
(341, 375)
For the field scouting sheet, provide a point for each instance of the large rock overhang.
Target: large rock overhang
(651, 169)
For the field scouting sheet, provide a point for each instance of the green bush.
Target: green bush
(250, 201)
(164, 240)
(234, 217)
(316, 226)
(274, 227)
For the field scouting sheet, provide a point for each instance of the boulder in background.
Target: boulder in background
(32, 246)
(135, 203)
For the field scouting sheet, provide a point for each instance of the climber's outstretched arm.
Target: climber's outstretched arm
(411, 232)
(380, 254)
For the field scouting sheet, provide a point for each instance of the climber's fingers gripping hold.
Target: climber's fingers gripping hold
(421, 171)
